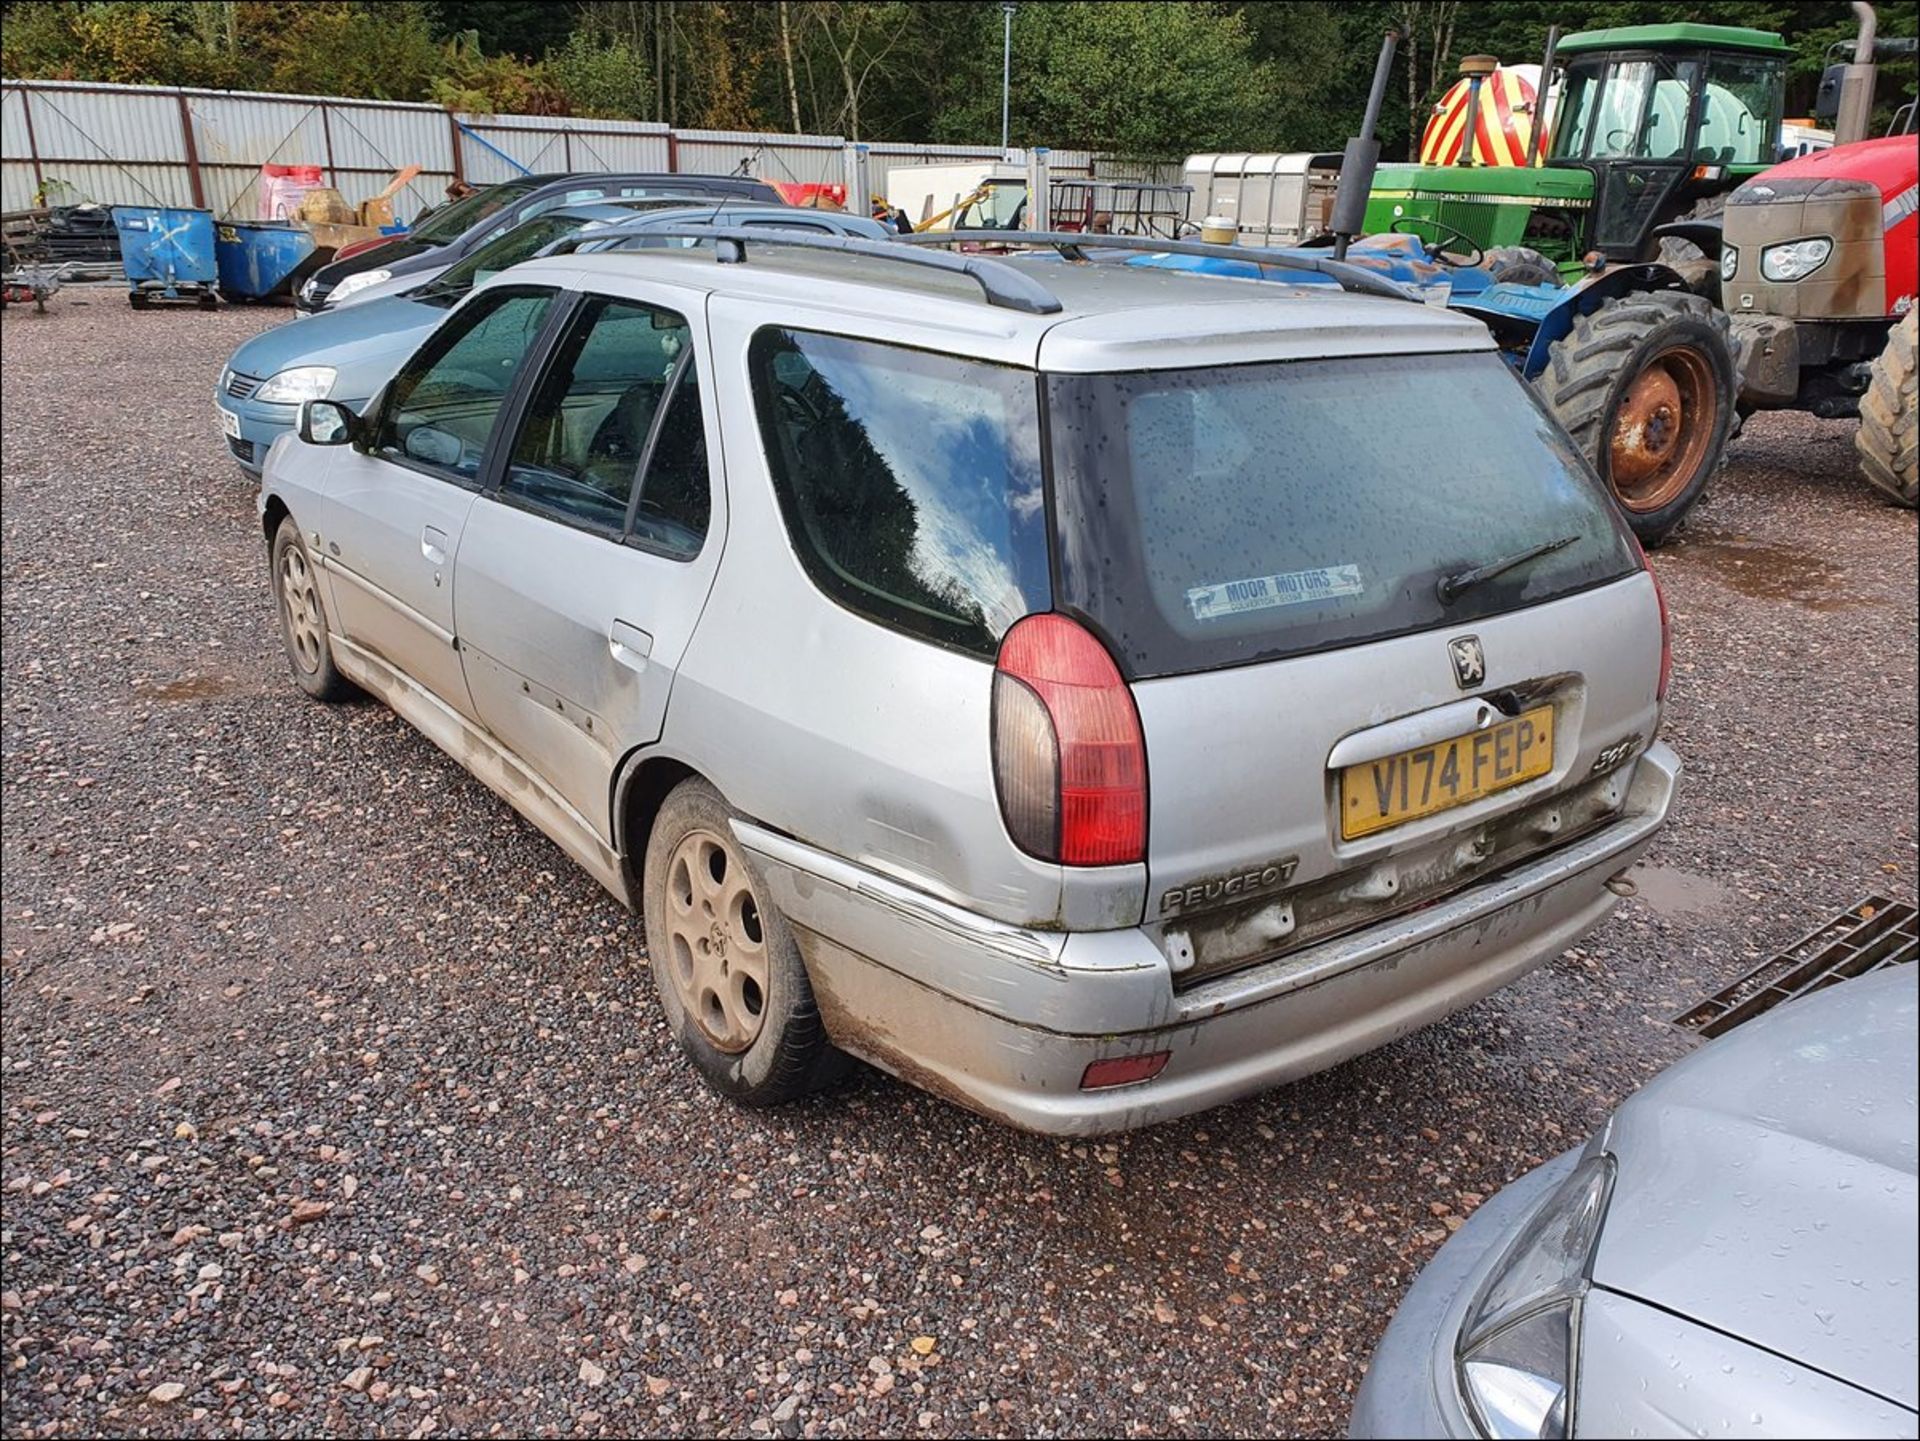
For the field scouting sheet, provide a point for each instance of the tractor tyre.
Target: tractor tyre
(1889, 417)
(1645, 385)
(1520, 265)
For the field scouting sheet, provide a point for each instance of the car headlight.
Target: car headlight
(357, 282)
(1518, 1350)
(303, 382)
(1795, 260)
(1729, 262)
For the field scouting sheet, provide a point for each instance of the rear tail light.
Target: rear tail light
(1068, 758)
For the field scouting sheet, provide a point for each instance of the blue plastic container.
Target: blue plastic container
(260, 259)
(166, 253)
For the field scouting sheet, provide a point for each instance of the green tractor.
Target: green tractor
(1651, 125)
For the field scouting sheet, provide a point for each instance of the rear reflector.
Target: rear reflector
(1124, 1070)
(1069, 760)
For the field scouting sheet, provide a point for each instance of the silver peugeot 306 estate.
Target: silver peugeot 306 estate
(1087, 692)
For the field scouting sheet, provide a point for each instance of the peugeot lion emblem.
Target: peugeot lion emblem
(1469, 661)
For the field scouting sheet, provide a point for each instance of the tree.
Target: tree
(1142, 80)
(859, 35)
(384, 51)
(608, 78)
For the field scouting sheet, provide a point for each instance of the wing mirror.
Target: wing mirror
(1826, 100)
(326, 422)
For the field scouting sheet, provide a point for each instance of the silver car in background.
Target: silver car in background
(1734, 1254)
(1090, 693)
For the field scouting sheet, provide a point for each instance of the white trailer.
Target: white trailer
(1271, 199)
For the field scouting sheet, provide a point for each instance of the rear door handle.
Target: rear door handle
(433, 544)
(629, 644)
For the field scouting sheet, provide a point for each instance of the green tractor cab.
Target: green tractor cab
(1649, 122)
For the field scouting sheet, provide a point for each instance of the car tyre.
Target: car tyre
(1889, 436)
(303, 618)
(725, 965)
(1645, 385)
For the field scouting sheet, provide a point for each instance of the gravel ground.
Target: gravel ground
(336, 1099)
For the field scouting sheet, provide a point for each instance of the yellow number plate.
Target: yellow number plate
(1395, 789)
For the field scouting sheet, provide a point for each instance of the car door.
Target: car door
(394, 512)
(585, 564)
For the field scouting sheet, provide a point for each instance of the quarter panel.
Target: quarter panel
(840, 732)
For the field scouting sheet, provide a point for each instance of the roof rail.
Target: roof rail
(1003, 285)
(1073, 244)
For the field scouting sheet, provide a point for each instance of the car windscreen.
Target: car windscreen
(523, 242)
(1217, 517)
(452, 221)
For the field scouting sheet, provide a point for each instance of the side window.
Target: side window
(910, 482)
(441, 408)
(596, 411)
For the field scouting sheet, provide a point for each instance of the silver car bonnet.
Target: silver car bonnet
(1767, 1186)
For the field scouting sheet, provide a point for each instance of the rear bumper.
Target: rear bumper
(1005, 1020)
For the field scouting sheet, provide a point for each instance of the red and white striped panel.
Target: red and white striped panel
(1503, 129)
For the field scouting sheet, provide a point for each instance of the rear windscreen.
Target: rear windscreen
(452, 221)
(1216, 517)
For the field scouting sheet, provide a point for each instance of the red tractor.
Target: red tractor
(1818, 270)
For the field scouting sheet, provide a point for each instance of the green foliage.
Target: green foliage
(119, 42)
(1139, 79)
(472, 80)
(383, 50)
(607, 79)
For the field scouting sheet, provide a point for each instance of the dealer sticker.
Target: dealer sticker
(1263, 592)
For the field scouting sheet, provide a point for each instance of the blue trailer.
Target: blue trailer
(167, 254)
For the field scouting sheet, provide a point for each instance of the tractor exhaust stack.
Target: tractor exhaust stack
(1362, 157)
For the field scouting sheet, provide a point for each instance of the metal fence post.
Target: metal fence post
(195, 182)
(33, 150)
(453, 137)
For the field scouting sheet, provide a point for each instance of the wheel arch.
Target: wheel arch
(273, 510)
(1584, 299)
(640, 785)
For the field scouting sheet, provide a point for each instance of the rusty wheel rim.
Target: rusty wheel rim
(716, 941)
(300, 610)
(1663, 429)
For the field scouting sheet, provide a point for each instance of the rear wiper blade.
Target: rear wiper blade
(1452, 587)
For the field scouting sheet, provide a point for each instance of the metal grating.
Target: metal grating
(242, 449)
(1872, 935)
(241, 386)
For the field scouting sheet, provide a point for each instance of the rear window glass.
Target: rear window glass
(910, 483)
(454, 220)
(1217, 517)
(523, 242)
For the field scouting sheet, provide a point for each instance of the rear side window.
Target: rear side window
(1214, 517)
(910, 483)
